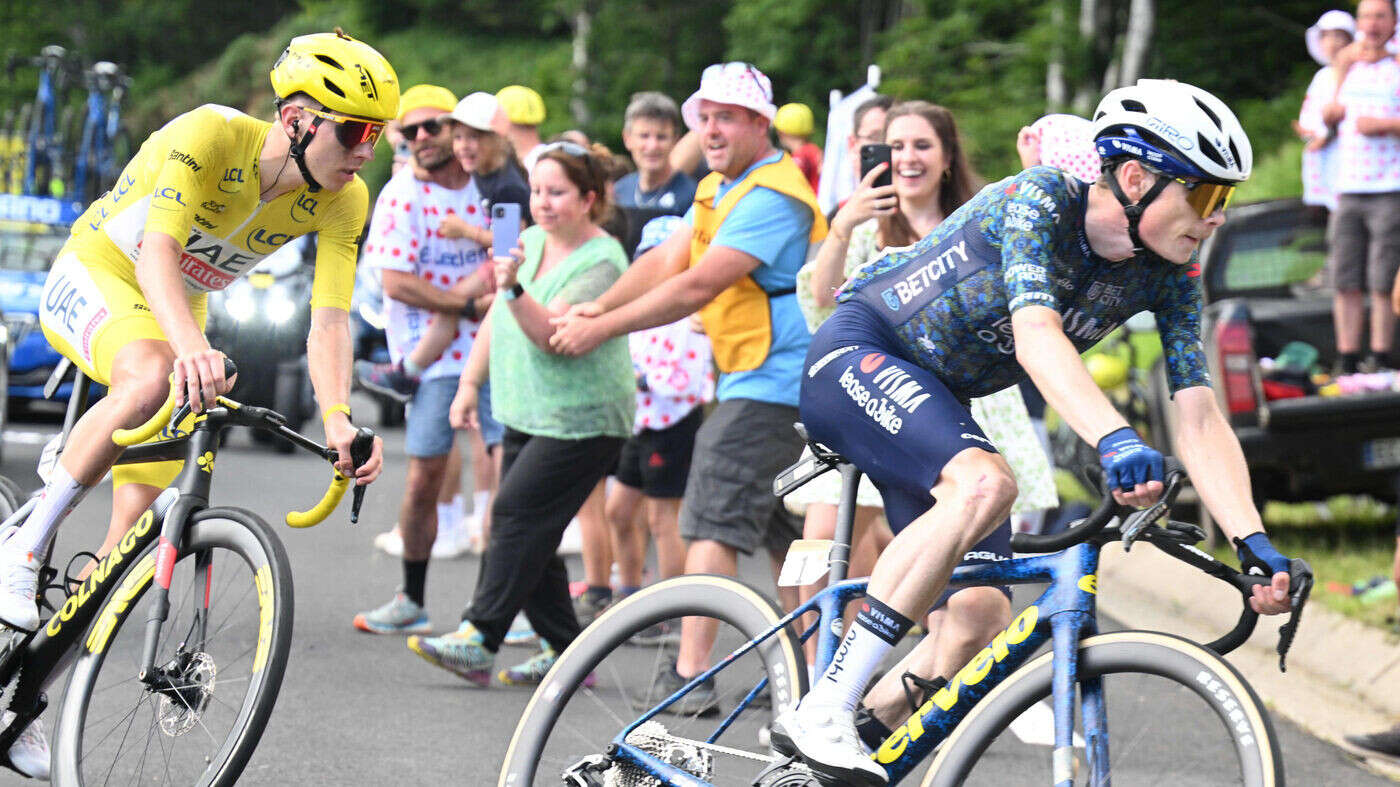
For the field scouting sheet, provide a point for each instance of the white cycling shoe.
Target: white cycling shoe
(29, 754)
(19, 580)
(826, 740)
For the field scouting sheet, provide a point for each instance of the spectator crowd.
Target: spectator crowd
(619, 339)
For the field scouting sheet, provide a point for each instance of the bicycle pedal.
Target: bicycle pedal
(788, 772)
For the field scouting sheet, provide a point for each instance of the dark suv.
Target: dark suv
(1264, 287)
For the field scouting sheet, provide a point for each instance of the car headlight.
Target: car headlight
(239, 305)
(279, 306)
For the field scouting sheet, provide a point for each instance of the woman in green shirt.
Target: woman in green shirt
(566, 418)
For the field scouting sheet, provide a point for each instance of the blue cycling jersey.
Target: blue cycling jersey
(945, 303)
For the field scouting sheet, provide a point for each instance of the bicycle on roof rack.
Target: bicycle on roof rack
(1176, 709)
(45, 171)
(104, 145)
(178, 638)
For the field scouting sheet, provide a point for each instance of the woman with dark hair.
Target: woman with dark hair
(566, 418)
(931, 179)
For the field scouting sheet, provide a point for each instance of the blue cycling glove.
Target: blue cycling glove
(1128, 461)
(1261, 549)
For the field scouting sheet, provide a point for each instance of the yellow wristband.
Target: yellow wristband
(336, 408)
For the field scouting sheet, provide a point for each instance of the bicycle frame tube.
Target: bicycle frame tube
(41, 133)
(94, 135)
(1065, 611)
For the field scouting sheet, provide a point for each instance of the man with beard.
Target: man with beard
(427, 276)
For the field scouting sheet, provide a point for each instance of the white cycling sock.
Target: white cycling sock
(61, 495)
(876, 630)
(447, 523)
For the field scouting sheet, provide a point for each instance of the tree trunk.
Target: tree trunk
(583, 27)
(1137, 43)
(1056, 90)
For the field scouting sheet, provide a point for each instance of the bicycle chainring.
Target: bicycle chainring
(179, 709)
(653, 739)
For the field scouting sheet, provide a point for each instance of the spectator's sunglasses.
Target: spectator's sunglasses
(431, 126)
(350, 131)
(570, 148)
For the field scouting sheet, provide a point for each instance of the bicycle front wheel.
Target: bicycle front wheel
(607, 679)
(1176, 714)
(222, 654)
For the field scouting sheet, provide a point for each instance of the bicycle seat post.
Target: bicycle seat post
(77, 404)
(845, 523)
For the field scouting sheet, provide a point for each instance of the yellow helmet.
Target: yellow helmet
(345, 75)
(522, 105)
(430, 96)
(794, 119)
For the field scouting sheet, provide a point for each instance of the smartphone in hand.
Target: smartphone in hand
(505, 228)
(870, 155)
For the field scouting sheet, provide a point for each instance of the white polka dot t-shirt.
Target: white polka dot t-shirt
(1369, 164)
(404, 236)
(675, 373)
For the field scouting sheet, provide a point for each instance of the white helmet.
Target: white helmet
(1174, 127)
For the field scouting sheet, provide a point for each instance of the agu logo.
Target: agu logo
(871, 362)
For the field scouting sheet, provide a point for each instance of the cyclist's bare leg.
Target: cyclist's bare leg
(698, 634)
(140, 385)
(974, 494)
(956, 633)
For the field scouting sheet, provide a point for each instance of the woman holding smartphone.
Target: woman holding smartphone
(566, 418)
(930, 178)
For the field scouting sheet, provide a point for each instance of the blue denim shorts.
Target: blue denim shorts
(429, 433)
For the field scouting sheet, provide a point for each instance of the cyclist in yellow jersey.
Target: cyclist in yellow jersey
(205, 198)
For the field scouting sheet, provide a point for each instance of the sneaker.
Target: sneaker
(531, 672)
(699, 701)
(450, 544)
(521, 633)
(661, 633)
(19, 579)
(386, 379)
(390, 541)
(825, 738)
(400, 616)
(587, 607)
(462, 653)
(29, 754)
(572, 541)
(1383, 745)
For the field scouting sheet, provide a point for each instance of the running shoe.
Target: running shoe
(590, 605)
(521, 634)
(661, 633)
(386, 379)
(1384, 745)
(462, 653)
(400, 616)
(699, 701)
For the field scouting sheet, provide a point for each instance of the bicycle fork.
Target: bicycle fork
(1067, 628)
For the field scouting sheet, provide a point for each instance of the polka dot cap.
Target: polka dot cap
(1067, 143)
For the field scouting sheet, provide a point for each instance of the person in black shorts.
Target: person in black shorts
(674, 379)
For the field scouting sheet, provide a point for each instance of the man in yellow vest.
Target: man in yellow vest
(735, 261)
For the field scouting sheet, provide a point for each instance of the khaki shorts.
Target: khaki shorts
(740, 448)
(1363, 236)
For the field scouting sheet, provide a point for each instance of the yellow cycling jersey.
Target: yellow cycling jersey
(196, 180)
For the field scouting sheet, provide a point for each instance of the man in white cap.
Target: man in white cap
(735, 261)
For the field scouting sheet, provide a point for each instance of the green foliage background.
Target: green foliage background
(984, 59)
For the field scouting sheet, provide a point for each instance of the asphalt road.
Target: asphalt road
(357, 709)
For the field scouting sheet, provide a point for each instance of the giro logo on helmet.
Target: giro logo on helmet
(1170, 133)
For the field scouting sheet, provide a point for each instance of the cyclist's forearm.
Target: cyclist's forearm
(1213, 458)
(1055, 367)
(329, 356)
(158, 274)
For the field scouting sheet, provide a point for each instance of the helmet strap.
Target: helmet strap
(298, 153)
(1134, 210)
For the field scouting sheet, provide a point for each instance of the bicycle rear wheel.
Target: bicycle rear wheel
(605, 681)
(1177, 714)
(225, 647)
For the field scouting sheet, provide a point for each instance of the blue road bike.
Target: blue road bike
(104, 145)
(45, 169)
(1180, 714)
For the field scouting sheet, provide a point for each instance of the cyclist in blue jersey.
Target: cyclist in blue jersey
(1016, 283)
